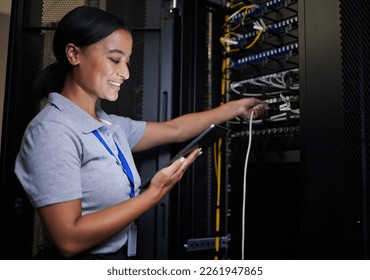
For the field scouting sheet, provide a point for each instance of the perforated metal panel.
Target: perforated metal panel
(355, 32)
(53, 11)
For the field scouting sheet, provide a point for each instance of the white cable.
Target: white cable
(255, 83)
(245, 177)
(244, 182)
(230, 41)
(279, 77)
(286, 105)
(235, 85)
(278, 116)
(239, 121)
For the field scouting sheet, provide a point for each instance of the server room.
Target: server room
(289, 183)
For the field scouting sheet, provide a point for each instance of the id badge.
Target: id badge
(132, 240)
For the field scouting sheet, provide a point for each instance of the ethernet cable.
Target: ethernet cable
(275, 80)
(245, 183)
(286, 105)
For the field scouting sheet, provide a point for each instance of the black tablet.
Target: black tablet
(204, 140)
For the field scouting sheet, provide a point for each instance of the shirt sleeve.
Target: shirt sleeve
(48, 164)
(133, 129)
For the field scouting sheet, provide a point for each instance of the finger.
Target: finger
(183, 164)
(186, 162)
(192, 156)
(178, 167)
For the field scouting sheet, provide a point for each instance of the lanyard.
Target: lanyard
(124, 164)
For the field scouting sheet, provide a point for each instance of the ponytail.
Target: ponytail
(51, 79)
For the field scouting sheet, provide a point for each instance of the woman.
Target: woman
(76, 161)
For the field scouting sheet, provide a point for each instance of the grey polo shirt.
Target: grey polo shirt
(61, 160)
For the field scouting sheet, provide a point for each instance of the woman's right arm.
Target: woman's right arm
(73, 233)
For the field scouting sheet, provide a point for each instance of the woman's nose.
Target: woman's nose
(125, 76)
(124, 72)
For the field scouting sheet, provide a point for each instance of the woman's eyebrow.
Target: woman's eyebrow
(117, 51)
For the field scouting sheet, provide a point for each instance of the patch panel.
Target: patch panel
(274, 29)
(266, 85)
(288, 130)
(263, 56)
(260, 9)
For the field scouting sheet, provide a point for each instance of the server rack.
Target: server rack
(261, 59)
(307, 191)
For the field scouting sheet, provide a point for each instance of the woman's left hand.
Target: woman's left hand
(247, 105)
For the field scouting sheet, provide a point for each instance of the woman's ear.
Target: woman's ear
(72, 53)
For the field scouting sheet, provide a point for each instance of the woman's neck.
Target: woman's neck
(82, 99)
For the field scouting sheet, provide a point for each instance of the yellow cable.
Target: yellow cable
(217, 223)
(217, 241)
(217, 162)
(236, 27)
(216, 171)
(217, 148)
(224, 77)
(214, 157)
(239, 11)
(231, 33)
(223, 39)
(255, 39)
(233, 50)
(219, 172)
(237, 4)
(227, 19)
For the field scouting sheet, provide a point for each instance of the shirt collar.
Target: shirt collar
(81, 118)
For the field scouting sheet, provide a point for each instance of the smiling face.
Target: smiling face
(101, 68)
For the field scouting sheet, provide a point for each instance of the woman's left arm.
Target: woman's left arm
(190, 125)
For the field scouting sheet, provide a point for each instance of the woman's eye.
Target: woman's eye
(116, 61)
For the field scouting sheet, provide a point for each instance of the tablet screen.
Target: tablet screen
(204, 140)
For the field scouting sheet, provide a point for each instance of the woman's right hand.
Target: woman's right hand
(167, 177)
